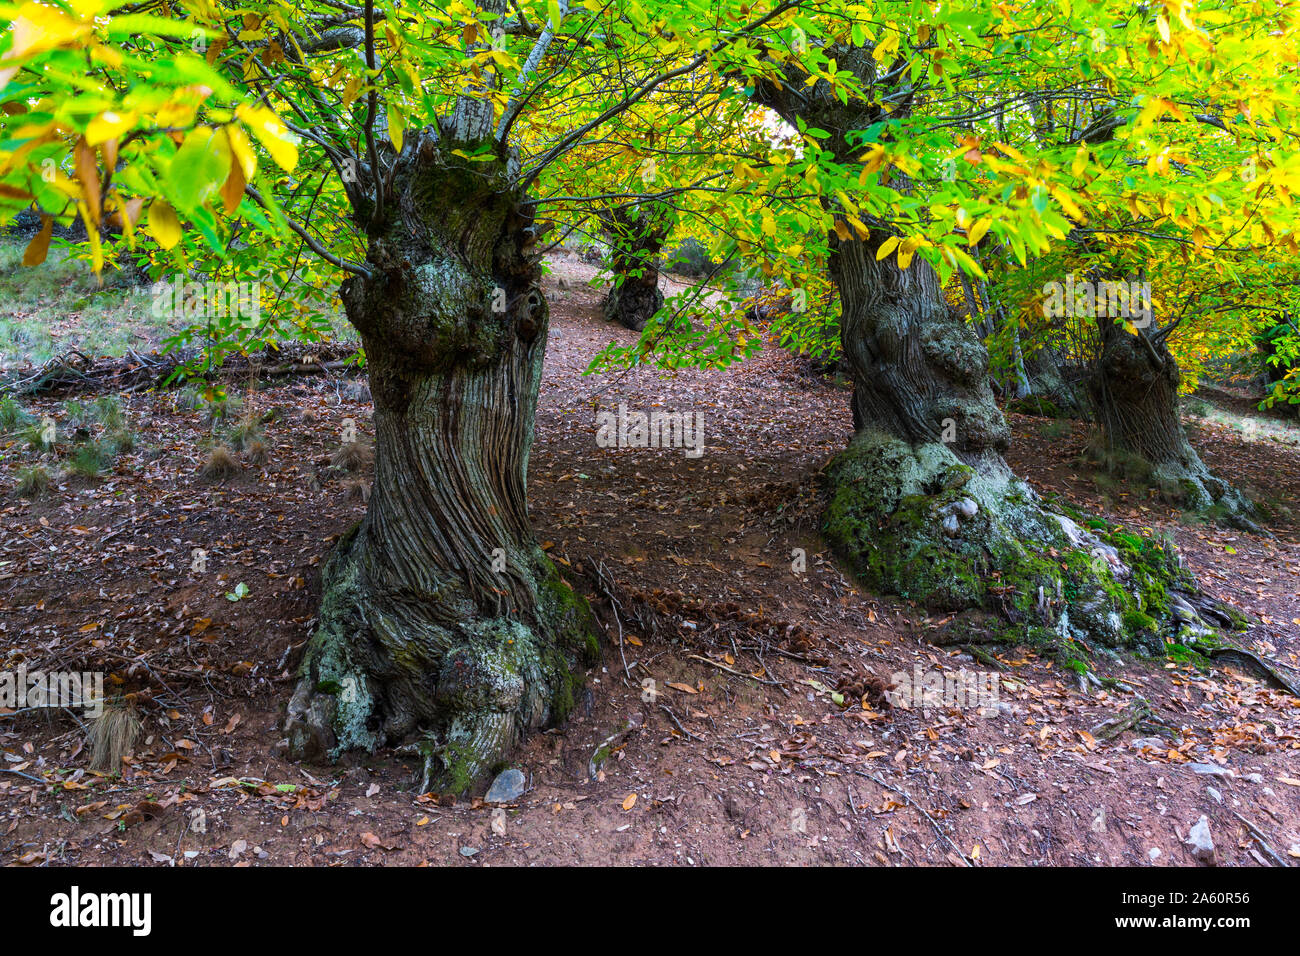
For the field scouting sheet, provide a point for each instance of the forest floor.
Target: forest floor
(737, 753)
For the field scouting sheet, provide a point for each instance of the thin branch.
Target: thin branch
(372, 100)
(648, 87)
(316, 247)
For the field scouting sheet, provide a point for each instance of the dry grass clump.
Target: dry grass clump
(220, 464)
(112, 735)
(353, 457)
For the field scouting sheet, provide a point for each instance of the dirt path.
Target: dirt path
(718, 767)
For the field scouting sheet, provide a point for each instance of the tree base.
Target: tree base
(379, 671)
(977, 542)
(632, 305)
(1184, 482)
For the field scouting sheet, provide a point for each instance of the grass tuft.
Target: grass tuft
(353, 457)
(112, 735)
(33, 482)
(89, 460)
(220, 464)
(245, 432)
(258, 453)
(13, 417)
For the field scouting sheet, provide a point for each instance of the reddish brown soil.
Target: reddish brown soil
(724, 768)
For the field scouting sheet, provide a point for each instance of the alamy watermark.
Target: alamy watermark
(922, 690)
(1084, 297)
(658, 429)
(207, 300)
(74, 909)
(21, 690)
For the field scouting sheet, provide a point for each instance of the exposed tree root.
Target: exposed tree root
(976, 542)
(1251, 661)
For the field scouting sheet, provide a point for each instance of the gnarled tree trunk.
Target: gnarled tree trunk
(441, 616)
(1134, 393)
(636, 235)
(922, 502)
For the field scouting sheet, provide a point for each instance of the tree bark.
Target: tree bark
(922, 502)
(1134, 394)
(441, 615)
(636, 235)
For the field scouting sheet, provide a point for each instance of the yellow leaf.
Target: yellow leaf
(872, 160)
(886, 247)
(37, 249)
(242, 150)
(396, 126)
(232, 193)
(352, 90)
(108, 125)
(684, 688)
(1068, 204)
(1080, 162)
(163, 224)
(271, 133)
(88, 175)
(92, 236)
(630, 802)
(39, 27)
(977, 231)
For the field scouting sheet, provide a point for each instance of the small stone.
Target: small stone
(507, 787)
(1210, 769)
(1199, 839)
(951, 526)
(468, 851)
(1218, 797)
(968, 508)
(1254, 778)
(1153, 854)
(356, 392)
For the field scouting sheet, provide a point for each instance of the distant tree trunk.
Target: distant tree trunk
(1268, 341)
(922, 502)
(991, 319)
(1134, 393)
(441, 616)
(636, 235)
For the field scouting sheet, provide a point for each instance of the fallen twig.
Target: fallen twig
(1259, 838)
(921, 810)
(724, 667)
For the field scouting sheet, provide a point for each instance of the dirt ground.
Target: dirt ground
(738, 752)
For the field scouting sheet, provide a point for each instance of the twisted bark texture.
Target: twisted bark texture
(922, 502)
(1134, 393)
(441, 615)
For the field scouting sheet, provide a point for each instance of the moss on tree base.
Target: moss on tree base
(976, 541)
(467, 685)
